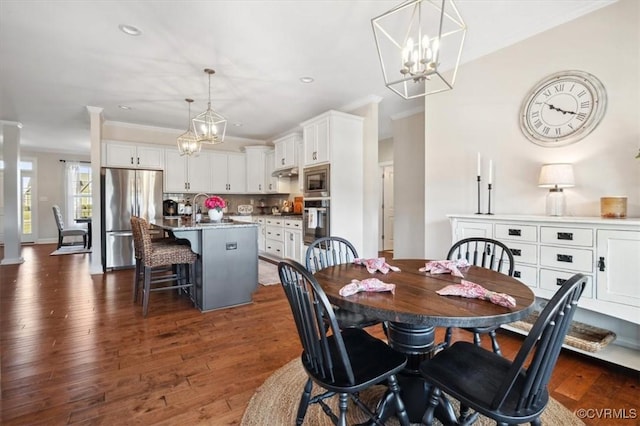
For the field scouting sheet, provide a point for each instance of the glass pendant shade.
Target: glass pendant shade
(209, 126)
(187, 142)
(419, 45)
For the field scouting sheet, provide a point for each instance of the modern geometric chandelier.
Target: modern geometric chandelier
(209, 126)
(188, 142)
(419, 45)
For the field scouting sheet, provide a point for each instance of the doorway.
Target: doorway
(386, 208)
(27, 194)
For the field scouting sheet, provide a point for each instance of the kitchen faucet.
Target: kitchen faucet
(195, 206)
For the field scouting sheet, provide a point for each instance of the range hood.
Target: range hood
(292, 171)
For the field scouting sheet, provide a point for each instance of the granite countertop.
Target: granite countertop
(180, 224)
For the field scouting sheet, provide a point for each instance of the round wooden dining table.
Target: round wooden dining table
(414, 309)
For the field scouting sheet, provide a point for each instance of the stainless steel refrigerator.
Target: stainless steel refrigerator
(126, 193)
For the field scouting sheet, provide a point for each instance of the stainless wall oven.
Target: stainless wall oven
(316, 219)
(316, 181)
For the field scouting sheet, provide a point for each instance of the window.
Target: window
(78, 187)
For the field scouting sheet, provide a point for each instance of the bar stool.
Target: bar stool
(158, 255)
(138, 277)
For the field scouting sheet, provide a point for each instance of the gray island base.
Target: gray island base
(227, 266)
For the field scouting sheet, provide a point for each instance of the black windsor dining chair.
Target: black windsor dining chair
(486, 253)
(341, 361)
(330, 251)
(510, 392)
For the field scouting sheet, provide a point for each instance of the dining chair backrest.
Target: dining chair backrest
(329, 251)
(137, 236)
(542, 346)
(484, 252)
(316, 323)
(145, 238)
(57, 214)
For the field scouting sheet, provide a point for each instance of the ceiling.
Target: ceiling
(57, 57)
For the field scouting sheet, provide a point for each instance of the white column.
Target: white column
(95, 116)
(12, 202)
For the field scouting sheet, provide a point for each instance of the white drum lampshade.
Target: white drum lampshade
(556, 177)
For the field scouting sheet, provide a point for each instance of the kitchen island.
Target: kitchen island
(227, 266)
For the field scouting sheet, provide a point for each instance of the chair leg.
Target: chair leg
(136, 280)
(59, 241)
(146, 290)
(304, 402)
(494, 342)
(434, 400)
(342, 404)
(535, 422)
(476, 339)
(401, 411)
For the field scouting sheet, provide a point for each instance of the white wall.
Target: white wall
(408, 187)
(385, 150)
(481, 115)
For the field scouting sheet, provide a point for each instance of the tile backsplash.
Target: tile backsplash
(234, 200)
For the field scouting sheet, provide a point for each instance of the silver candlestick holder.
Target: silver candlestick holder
(478, 180)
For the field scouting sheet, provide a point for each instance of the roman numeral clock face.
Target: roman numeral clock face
(563, 108)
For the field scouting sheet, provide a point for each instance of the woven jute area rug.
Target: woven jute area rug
(276, 403)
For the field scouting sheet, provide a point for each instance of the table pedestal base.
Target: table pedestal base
(417, 343)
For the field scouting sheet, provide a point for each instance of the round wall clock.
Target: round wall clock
(563, 108)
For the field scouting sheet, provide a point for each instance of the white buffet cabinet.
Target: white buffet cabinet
(548, 250)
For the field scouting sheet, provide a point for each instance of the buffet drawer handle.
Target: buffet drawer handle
(564, 258)
(517, 274)
(560, 281)
(601, 264)
(565, 236)
(515, 232)
(232, 246)
(516, 252)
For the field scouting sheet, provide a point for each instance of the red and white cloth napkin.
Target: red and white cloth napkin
(376, 264)
(476, 291)
(370, 284)
(446, 267)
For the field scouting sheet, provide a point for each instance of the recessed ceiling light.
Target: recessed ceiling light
(130, 30)
(306, 79)
(124, 107)
(237, 124)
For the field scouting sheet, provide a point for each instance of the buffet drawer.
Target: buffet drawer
(275, 233)
(567, 258)
(275, 248)
(566, 236)
(526, 274)
(516, 232)
(525, 253)
(552, 280)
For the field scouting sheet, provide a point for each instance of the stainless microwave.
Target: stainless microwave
(317, 181)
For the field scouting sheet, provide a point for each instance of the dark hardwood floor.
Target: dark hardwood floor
(76, 349)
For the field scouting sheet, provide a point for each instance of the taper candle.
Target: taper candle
(479, 164)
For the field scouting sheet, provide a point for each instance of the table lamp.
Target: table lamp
(556, 177)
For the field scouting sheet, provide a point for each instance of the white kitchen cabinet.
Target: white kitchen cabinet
(286, 151)
(293, 244)
(274, 236)
(274, 185)
(187, 173)
(228, 173)
(133, 156)
(549, 250)
(261, 221)
(256, 168)
(316, 140)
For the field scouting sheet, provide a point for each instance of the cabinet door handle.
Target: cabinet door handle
(259, 187)
(131, 160)
(232, 246)
(138, 161)
(282, 161)
(560, 281)
(515, 232)
(601, 265)
(565, 236)
(564, 258)
(516, 274)
(516, 252)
